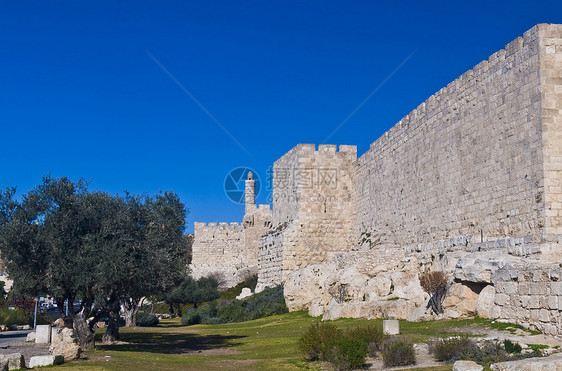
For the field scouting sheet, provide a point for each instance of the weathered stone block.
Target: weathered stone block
(467, 366)
(556, 288)
(553, 362)
(42, 361)
(15, 361)
(502, 299)
(391, 327)
(43, 334)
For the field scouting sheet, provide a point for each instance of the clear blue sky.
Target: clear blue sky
(82, 96)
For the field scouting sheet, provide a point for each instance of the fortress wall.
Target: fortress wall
(529, 294)
(551, 81)
(312, 209)
(466, 162)
(257, 222)
(221, 243)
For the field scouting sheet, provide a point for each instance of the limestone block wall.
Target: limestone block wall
(312, 210)
(220, 249)
(221, 243)
(257, 222)
(478, 159)
(530, 294)
(550, 54)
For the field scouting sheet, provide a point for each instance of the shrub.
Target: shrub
(511, 347)
(14, 317)
(463, 348)
(346, 350)
(267, 303)
(372, 336)
(490, 352)
(450, 350)
(348, 353)
(250, 281)
(318, 341)
(435, 284)
(146, 319)
(398, 353)
(191, 319)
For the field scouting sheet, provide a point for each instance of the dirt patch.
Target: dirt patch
(28, 350)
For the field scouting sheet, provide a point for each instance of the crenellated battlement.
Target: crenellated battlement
(217, 226)
(467, 87)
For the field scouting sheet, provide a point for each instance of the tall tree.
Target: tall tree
(144, 237)
(63, 240)
(41, 240)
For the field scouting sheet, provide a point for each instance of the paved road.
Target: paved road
(10, 337)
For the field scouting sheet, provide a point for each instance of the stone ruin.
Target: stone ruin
(469, 183)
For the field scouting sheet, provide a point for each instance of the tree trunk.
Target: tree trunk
(112, 330)
(178, 310)
(83, 333)
(131, 307)
(82, 330)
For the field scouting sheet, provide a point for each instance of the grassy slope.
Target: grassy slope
(264, 344)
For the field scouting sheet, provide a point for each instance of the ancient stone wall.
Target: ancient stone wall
(529, 294)
(312, 210)
(230, 251)
(257, 222)
(551, 103)
(218, 249)
(468, 162)
(219, 243)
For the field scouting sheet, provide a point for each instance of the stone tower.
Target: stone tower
(250, 192)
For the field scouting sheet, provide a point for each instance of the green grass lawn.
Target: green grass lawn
(264, 344)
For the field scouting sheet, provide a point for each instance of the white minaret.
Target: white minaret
(250, 192)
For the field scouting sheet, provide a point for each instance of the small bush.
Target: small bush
(490, 352)
(453, 349)
(398, 353)
(318, 341)
(14, 317)
(191, 319)
(511, 347)
(372, 336)
(348, 353)
(146, 319)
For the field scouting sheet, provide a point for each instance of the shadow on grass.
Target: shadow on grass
(170, 343)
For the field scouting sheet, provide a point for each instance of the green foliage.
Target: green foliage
(191, 291)
(489, 352)
(264, 304)
(318, 341)
(452, 349)
(191, 319)
(511, 347)
(231, 293)
(398, 353)
(14, 317)
(146, 320)
(348, 353)
(538, 346)
(345, 349)
(64, 240)
(371, 335)
(267, 303)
